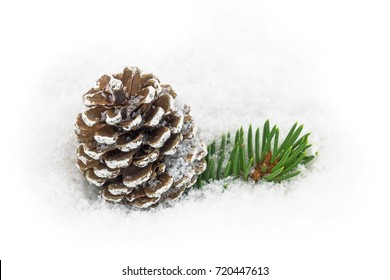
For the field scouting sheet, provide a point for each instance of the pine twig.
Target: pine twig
(247, 158)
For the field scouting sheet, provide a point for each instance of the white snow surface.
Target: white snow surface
(234, 64)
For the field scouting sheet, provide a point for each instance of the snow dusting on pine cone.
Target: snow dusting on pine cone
(136, 143)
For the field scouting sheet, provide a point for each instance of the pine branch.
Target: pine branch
(247, 158)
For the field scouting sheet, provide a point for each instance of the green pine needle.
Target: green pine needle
(274, 174)
(287, 176)
(250, 144)
(257, 145)
(228, 169)
(219, 167)
(252, 160)
(223, 145)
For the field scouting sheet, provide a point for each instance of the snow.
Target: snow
(234, 64)
(179, 164)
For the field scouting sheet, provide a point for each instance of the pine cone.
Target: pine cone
(136, 144)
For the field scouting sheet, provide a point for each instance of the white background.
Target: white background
(323, 63)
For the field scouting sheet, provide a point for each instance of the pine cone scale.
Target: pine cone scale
(131, 124)
(154, 116)
(93, 179)
(102, 171)
(119, 189)
(118, 159)
(134, 176)
(130, 141)
(158, 136)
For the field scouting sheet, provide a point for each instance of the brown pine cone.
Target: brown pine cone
(136, 144)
